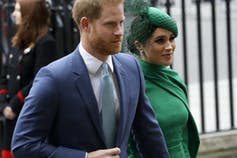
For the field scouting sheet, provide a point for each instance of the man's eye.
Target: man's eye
(111, 24)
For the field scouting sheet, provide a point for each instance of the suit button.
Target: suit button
(10, 56)
(8, 76)
(18, 77)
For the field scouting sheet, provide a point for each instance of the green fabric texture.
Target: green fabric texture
(168, 95)
(144, 24)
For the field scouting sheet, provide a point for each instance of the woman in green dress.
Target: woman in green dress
(152, 38)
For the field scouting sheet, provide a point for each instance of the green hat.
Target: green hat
(146, 21)
(161, 19)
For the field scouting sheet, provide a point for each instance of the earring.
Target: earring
(142, 52)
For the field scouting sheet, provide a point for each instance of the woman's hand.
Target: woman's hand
(8, 113)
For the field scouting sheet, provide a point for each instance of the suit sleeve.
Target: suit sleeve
(146, 130)
(36, 121)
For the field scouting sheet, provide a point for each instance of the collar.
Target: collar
(92, 63)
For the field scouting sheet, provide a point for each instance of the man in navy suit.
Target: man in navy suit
(61, 115)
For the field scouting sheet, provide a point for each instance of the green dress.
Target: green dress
(168, 96)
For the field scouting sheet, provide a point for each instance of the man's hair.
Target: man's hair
(89, 8)
(35, 19)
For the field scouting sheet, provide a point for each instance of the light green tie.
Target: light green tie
(107, 101)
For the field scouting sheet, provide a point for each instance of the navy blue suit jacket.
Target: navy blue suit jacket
(60, 117)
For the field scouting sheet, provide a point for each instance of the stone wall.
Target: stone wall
(218, 145)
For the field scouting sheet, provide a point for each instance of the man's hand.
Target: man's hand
(107, 153)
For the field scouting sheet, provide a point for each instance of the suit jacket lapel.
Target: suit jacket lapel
(85, 89)
(123, 89)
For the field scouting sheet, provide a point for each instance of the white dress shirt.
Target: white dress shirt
(95, 73)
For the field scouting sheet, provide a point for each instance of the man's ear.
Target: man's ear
(84, 23)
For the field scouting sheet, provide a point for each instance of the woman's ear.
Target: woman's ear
(138, 46)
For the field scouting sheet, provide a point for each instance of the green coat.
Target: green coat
(168, 95)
